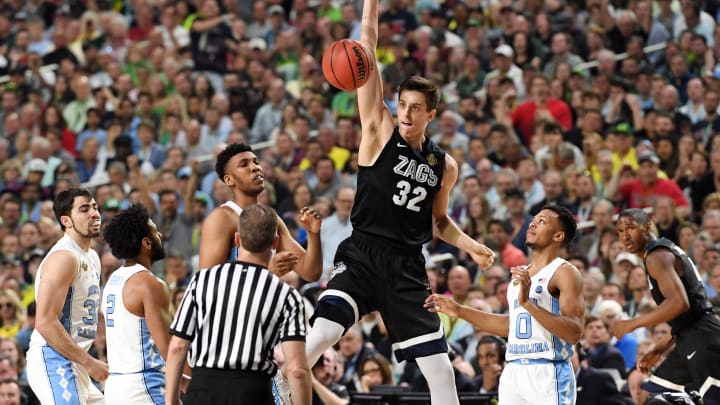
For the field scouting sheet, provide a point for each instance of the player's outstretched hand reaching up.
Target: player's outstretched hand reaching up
(441, 303)
(482, 255)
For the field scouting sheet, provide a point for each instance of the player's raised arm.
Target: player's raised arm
(375, 118)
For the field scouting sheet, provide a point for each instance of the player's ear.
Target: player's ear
(227, 180)
(559, 236)
(433, 113)
(146, 243)
(66, 221)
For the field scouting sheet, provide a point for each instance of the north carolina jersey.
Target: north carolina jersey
(527, 338)
(130, 347)
(233, 253)
(79, 312)
(395, 195)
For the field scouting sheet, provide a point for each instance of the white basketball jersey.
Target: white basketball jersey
(527, 338)
(79, 312)
(130, 347)
(233, 253)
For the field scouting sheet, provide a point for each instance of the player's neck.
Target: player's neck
(81, 241)
(262, 259)
(242, 199)
(415, 141)
(143, 261)
(542, 257)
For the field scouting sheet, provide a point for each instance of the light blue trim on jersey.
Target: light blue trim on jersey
(561, 350)
(564, 383)
(154, 383)
(534, 361)
(61, 377)
(233, 254)
(65, 317)
(151, 355)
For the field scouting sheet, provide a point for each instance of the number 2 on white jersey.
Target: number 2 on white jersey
(402, 197)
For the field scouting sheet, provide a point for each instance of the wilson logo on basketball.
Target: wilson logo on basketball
(360, 63)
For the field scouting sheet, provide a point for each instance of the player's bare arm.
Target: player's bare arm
(495, 324)
(214, 242)
(375, 119)
(60, 271)
(177, 352)
(447, 229)
(660, 265)
(567, 281)
(147, 297)
(309, 263)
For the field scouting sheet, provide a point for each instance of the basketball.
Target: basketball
(346, 65)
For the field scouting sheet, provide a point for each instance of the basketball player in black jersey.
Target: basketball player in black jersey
(404, 184)
(677, 288)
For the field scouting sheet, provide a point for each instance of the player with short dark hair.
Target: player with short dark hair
(545, 316)
(678, 290)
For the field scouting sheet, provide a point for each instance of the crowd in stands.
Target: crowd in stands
(556, 101)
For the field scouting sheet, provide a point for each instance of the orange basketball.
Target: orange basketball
(346, 65)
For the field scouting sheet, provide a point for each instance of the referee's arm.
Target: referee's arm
(182, 330)
(177, 352)
(292, 336)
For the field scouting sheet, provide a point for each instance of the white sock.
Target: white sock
(323, 334)
(438, 372)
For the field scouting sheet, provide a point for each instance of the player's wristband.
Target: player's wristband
(187, 377)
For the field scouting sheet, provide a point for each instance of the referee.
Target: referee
(231, 318)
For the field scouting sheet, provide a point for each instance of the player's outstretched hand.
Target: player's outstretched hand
(482, 255)
(441, 303)
(310, 220)
(282, 263)
(98, 370)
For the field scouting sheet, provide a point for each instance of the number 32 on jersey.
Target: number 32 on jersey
(409, 197)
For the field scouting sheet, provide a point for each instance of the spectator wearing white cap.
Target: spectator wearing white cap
(278, 25)
(504, 67)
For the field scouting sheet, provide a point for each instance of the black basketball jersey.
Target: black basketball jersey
(395, 195)
(691, 281)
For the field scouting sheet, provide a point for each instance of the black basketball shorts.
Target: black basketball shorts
(371, 276)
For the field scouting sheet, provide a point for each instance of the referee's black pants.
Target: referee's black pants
(225, 387)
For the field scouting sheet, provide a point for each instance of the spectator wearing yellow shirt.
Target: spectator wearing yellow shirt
(12, 313)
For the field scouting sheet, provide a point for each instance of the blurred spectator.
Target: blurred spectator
(325, 389)
(601, 354)
(666, 218)
(337, 227)
(375, 370)
(500, 231)
(353, 349)
(540, 105)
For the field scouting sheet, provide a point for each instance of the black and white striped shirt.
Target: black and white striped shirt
(235, 313)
